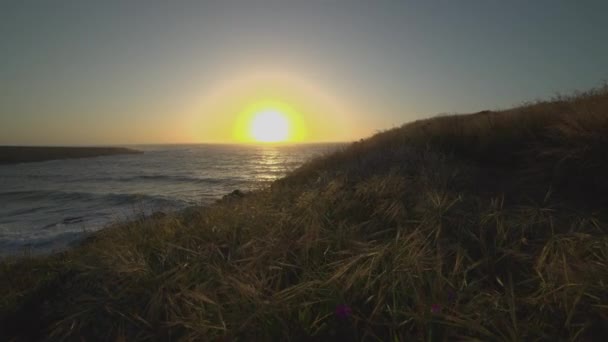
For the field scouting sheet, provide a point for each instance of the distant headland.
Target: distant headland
(26, 154)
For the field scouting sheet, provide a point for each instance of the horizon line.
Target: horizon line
(182, 143)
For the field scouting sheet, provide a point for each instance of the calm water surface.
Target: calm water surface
(49, 205)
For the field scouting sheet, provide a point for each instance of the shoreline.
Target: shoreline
(28, 154)
(87, 236)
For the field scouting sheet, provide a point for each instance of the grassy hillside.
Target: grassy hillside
(489, 226)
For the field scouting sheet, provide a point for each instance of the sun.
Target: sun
(269, 126)
(269, 121)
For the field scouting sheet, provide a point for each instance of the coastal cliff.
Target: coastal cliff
(25, 154)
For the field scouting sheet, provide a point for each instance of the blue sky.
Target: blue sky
(124, 72)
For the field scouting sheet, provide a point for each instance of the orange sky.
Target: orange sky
(321, 115)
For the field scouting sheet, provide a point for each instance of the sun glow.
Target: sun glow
(269, 126)
(269, 122)
(225, 112)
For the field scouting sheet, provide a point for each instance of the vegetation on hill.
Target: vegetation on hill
(489, 226)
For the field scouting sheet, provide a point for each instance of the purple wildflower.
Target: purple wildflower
(435, 308)
(343, 311)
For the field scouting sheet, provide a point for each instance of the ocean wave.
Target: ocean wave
(209, 180)
(36, 244)
(106, 198)
(156, 177)
(41, 201)
(23, 211)
(164, 178)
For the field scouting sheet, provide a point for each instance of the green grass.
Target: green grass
(488, 226)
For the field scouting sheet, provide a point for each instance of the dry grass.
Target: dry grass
(488, 226)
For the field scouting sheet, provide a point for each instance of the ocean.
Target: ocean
(49, 206)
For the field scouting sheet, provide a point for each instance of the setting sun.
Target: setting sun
(269, 121)
(269, 126)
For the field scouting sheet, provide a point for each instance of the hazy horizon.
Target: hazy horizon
(115, 73)
(237, 143)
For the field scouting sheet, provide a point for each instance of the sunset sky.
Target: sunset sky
(132, 72)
